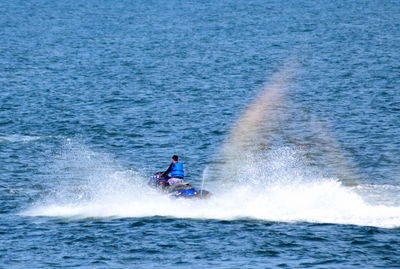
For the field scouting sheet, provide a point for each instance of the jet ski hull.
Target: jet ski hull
(179, 190)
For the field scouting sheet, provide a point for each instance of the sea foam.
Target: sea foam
(281, 192)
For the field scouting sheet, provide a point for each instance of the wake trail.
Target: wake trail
(286, 193)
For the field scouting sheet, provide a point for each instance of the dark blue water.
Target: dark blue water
(97, 95)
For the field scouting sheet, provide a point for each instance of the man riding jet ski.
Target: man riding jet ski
(175, 171)
(171, 181)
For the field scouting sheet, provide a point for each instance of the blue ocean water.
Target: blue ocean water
(95, 96)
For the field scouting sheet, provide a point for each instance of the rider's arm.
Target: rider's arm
(165, 174)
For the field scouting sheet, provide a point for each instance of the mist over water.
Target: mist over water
(275, 186)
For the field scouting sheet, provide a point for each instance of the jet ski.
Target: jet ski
(176, 190)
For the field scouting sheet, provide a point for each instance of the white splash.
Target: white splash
(275, 189)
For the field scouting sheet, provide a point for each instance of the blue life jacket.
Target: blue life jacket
(177, 170)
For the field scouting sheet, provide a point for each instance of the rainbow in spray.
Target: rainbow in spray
(268, 181)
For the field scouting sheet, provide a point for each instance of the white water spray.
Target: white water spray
(277, 189)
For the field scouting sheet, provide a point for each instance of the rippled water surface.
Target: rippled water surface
(95, 96)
